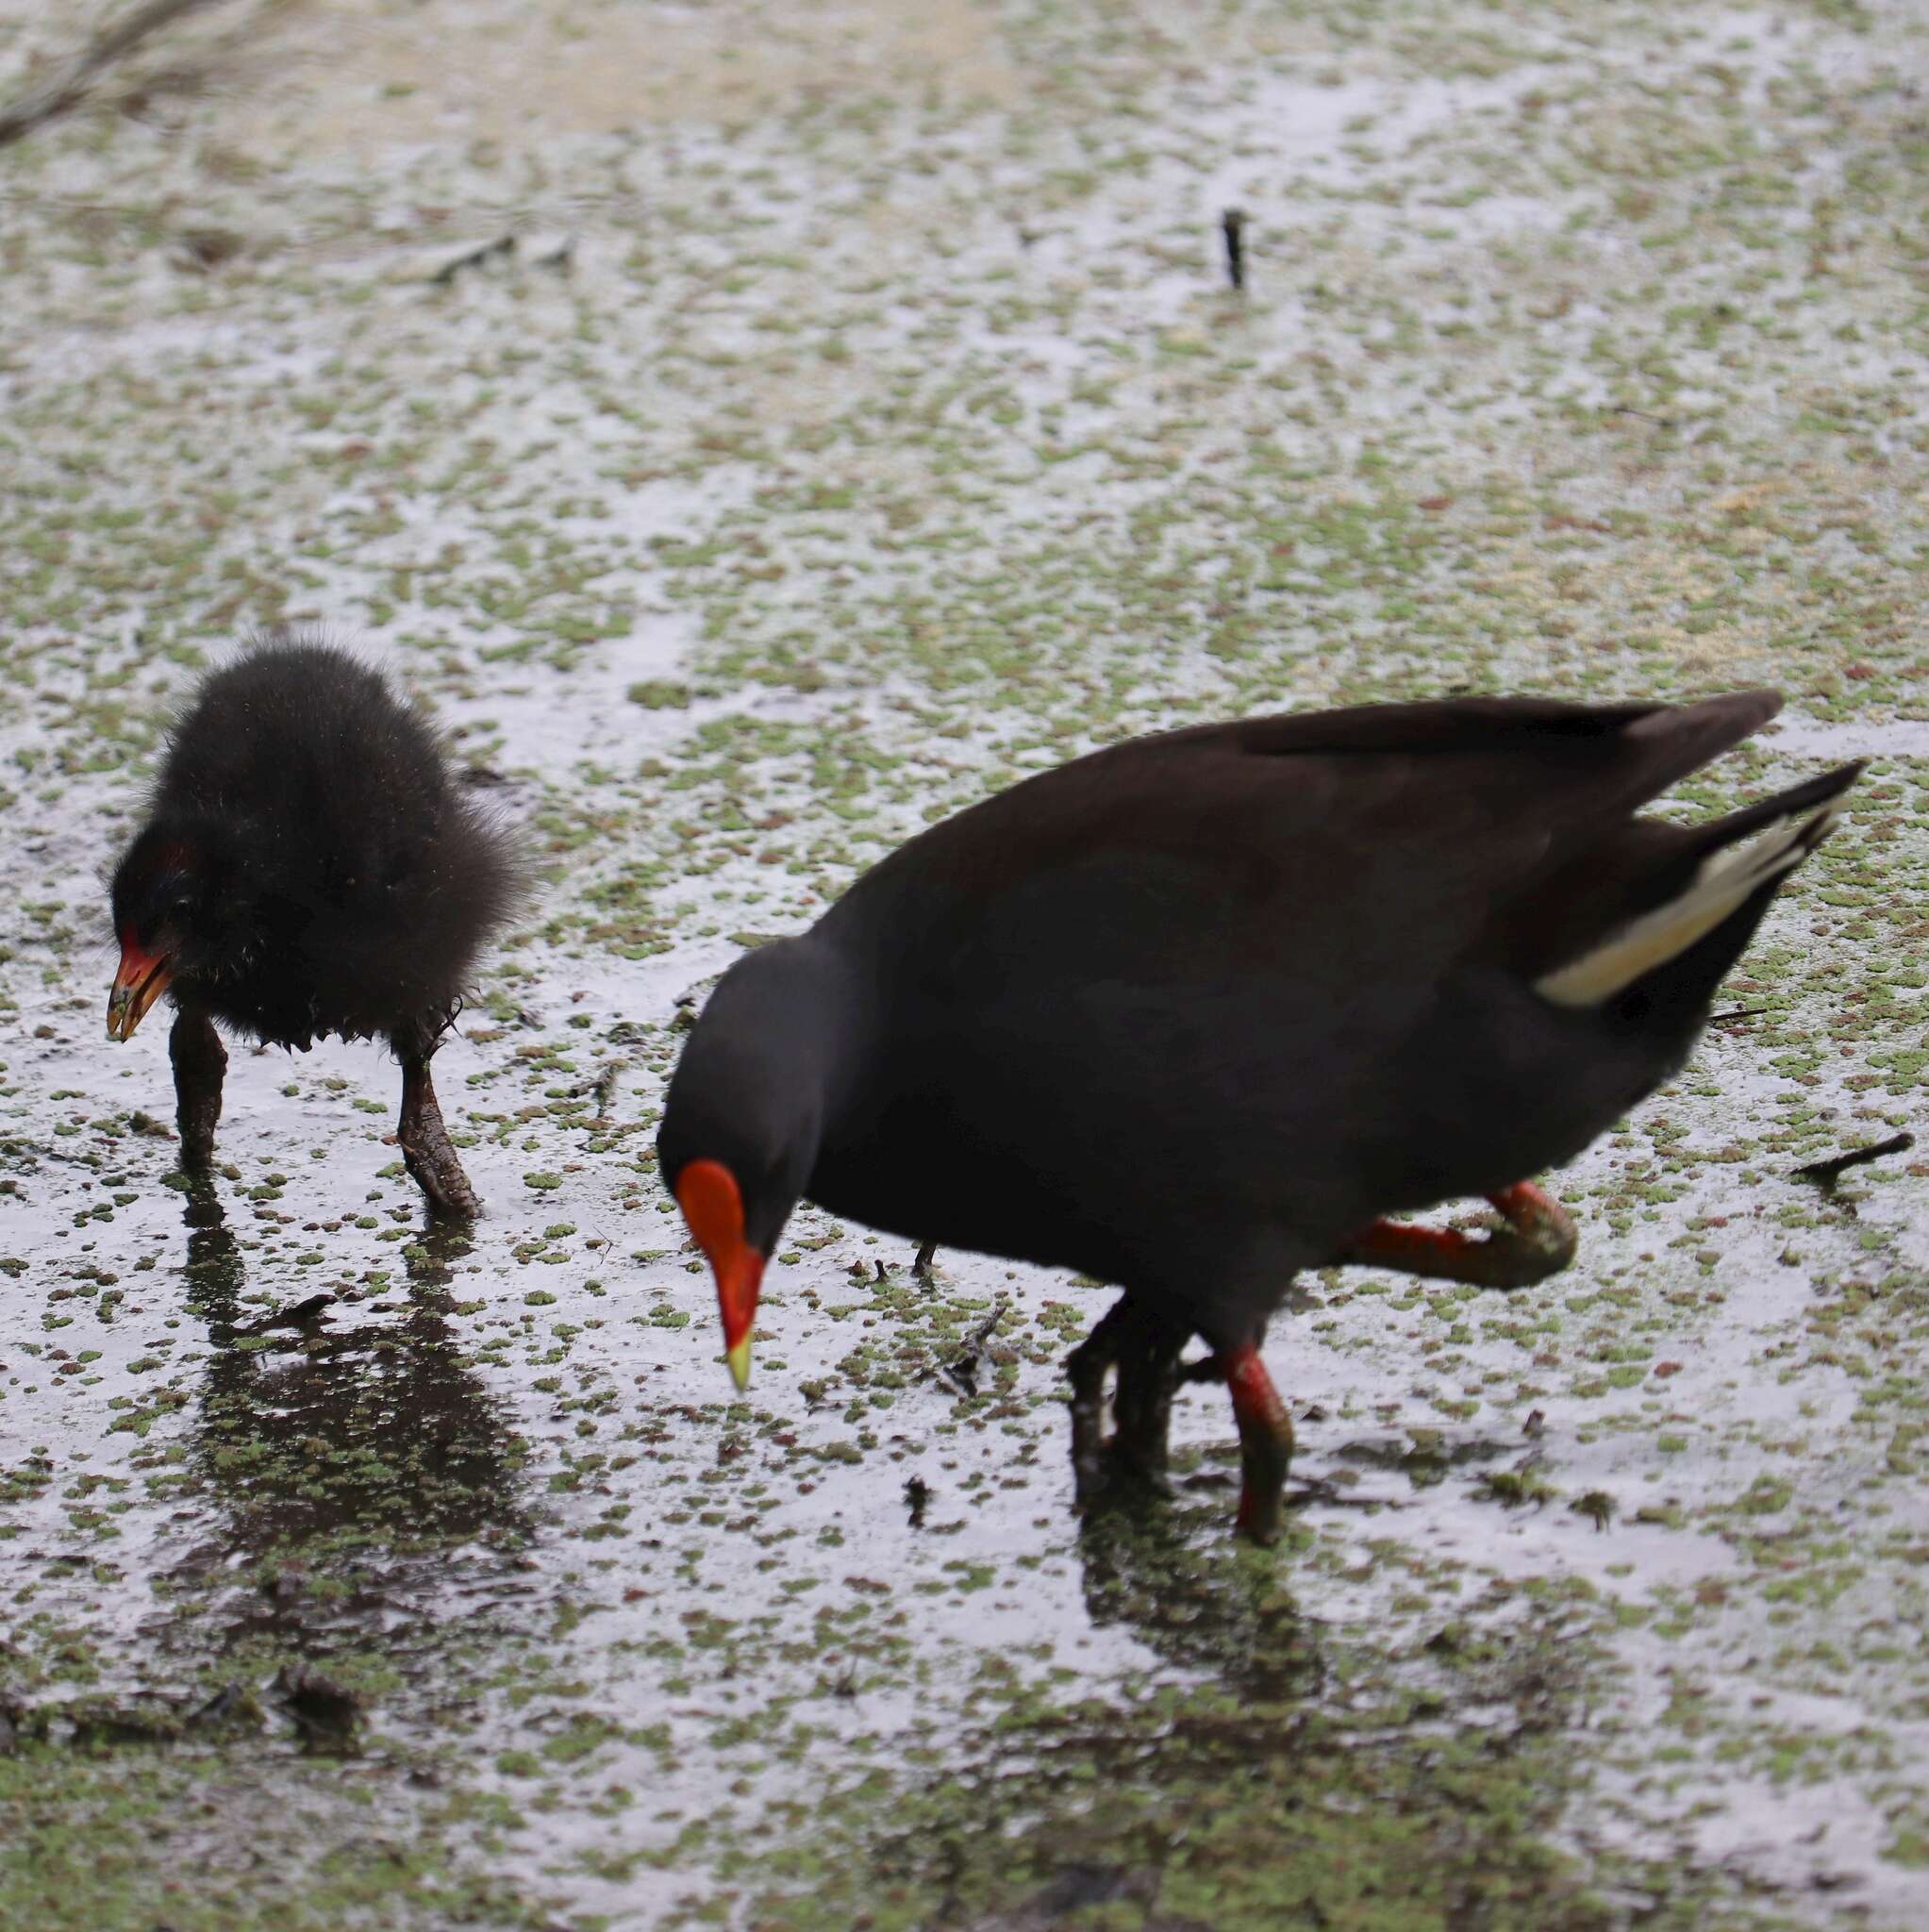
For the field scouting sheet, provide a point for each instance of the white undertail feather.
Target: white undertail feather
(1724, 882)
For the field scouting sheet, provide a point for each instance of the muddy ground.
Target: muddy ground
(755, 430)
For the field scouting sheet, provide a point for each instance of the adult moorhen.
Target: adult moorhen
(309, 866)
(1199, 1010)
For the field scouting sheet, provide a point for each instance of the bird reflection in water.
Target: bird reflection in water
(1151, 1571)
(368, 1442)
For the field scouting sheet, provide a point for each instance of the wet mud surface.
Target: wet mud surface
(754, 431)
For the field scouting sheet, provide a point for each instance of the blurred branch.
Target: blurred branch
(70, 81)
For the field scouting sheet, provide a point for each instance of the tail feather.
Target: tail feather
(1745, 853)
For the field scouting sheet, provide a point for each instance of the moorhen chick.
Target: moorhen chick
(309, 867)
(1201, 1009)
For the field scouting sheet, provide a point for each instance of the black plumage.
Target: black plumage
(309, 865)
(1200, 1009)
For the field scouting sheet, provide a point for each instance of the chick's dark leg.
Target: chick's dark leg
(1537, 1240)
(427, 1149)
(200, 1062)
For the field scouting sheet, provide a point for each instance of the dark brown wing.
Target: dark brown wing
(1194, 1007)
(1386, 841)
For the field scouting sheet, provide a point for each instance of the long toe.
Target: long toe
(427, 1149)
(441, 1177)
(1543, 1227)
(1536, 1240)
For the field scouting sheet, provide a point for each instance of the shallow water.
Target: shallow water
(888, 432)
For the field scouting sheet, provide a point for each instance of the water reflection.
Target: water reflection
(319, 1439)
(1200, 1601)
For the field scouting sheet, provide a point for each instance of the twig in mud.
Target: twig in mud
(1645, 415)
(1825, 1174)
(1317, 1489)
(962, 1368)
(1233, 225)
(302, 1315)
(68, 84)
(1737, 1013)
(503, 244)
(602, 1087)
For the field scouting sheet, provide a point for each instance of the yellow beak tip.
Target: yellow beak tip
(738, 1359)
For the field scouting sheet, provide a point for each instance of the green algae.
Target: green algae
(119, 1841)
(887, 448)
(1253, 1800)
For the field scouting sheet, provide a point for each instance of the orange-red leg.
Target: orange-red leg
(1537, 1240)
(1265, 1443)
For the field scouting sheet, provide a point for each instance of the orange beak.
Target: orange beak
(712, 1203)
(142, 980)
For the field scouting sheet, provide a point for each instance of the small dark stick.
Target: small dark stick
(602, 1087)
(503, 244)
(918, 1495)
(302, 1315)
(69, 83)
(1826, 1172)
(962, 1368)
(1232, 223)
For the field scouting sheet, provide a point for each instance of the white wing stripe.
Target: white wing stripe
(1722, 883)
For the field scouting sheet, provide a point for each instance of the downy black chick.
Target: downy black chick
(309, 866)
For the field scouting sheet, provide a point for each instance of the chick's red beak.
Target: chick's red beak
(142, 980)
(712, 1203)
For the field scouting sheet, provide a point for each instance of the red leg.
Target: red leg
(1265, 1442)
(1537, 1240)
